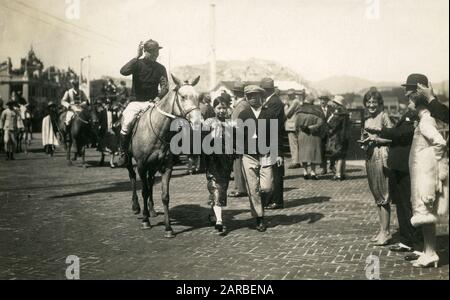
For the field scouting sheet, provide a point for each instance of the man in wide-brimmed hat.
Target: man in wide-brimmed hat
(150, 85)
(8, 123)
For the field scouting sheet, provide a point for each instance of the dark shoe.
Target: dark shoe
(260, 226)
(412, 257)
(123, 160)
(219, 227)
(274, 206)
(314, 177)
(307, 177)
(237, 194)
(400, 248)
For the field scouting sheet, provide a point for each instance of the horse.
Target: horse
(84, 127)
(150, 147)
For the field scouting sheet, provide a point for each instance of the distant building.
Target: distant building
(37, 85)
(282, 86)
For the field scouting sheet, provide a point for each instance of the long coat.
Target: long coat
(429, 193)
(309, 124)
(338, 134)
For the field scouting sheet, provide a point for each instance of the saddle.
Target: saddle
(137, 118)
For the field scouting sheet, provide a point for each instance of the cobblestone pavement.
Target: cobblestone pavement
(49, 211)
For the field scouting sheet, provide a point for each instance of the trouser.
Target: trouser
(294, 146)
(259, 181)
(9, 139)
(278, 186)
(400, 192)
(239, 181)
(69, 115)
(130, 113)
(323, 151)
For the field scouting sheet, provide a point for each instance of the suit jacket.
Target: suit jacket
(271, 109)
(240, 106)
(438, 110)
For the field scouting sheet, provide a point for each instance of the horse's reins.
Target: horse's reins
(183, 115)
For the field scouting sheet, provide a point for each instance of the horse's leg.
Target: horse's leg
(165, 180)
(143, 173)
(102, 159)
(134, 199)
(83, 155)
(151, 204)
(68, 153)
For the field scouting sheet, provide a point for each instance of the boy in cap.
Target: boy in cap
(148, 75)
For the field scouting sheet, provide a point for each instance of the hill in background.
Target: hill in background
(235, 70)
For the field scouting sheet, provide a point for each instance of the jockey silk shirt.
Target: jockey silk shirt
(147, 77)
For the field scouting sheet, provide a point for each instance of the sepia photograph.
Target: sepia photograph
(237, 142)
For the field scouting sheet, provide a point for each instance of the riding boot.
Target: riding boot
(124, 144)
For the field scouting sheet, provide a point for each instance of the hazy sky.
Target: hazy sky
(317, 38)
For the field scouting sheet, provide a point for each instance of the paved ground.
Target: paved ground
(49, 211)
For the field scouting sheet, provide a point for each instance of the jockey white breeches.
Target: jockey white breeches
(130, 112)
(71, 113)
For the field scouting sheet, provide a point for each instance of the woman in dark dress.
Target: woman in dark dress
(338, 136)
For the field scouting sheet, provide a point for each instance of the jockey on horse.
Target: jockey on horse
(74, 100)
(148, 75)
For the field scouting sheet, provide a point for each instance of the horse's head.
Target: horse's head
(186, 101)
(89, 115)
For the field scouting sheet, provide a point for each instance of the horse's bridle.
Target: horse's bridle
(183, 115)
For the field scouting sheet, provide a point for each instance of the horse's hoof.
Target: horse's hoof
(136, 210)
(153, 214)
(169, 234)
(146, 226)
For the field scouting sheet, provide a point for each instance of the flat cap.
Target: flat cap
(252, 89)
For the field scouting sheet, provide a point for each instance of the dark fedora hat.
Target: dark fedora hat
(267, 83)
(238, 87)
(413, 80)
